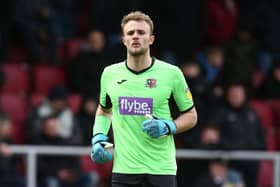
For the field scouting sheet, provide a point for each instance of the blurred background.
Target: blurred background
(52, 53)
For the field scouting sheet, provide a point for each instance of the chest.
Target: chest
(139, 91)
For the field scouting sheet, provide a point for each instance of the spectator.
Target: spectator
(63, 14)
(220, 175)
(203, 95)
(211, 62)
(55, 104)
(9, 163)
(34, 25)
(210, 137)
(222, 20)
(85, 69)
(207, 137)
(240, 129)
(197, 83)
(85, 116)
(60, 171)
(240, 58)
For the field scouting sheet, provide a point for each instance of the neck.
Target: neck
(138, 63)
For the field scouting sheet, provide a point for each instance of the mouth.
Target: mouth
(135, 44)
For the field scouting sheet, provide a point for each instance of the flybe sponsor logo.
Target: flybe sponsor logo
(135, 105)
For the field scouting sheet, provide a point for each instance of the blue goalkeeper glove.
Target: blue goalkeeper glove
(99, 154)
(158, 127)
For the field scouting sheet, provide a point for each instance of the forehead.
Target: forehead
(136, 25)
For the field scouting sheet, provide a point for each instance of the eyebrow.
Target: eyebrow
(136, 30)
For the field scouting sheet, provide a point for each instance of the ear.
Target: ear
(152, 39)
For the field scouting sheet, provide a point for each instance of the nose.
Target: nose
(135, 35)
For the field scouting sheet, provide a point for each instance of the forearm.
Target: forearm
(186, 121)
(102, 120)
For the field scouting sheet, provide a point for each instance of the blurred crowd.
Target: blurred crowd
(228, 51)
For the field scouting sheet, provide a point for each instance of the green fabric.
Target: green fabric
(101, 124)
(132, 95)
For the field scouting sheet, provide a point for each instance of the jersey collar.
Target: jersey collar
(141, 71)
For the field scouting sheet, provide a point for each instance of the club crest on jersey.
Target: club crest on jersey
(151, 83)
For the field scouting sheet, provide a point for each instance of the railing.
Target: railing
(33, 151)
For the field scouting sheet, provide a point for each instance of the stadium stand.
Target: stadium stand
(45, 77)
(16, 79)
(275, 107)
(265, 174)
(15, 106)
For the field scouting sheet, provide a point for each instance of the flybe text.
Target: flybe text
(135, 105)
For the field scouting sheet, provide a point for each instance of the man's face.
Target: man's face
(137, 37)
(236, 96)
(96, 41)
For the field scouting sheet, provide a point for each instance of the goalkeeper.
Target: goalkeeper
(144, 149)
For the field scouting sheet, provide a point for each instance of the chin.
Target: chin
(137, 52)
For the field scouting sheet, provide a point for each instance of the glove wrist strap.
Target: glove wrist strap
(171, 127)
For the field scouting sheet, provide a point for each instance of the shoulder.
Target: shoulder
(163, 65)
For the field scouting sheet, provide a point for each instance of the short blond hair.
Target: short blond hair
(137, 16)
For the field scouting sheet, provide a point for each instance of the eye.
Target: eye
(130, 33)
(141, 32)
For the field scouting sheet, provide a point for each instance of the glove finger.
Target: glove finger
(100, 155)
(148, 127)
(144, 129)
(147, 123)
(153, 132)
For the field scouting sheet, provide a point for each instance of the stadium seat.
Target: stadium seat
(271, 139)
(18, 133)
(265, 174)
(15, 106)
(275, 107)
(75, 101)
(263, 111)
(45, 77)
(16, 79)
(36, 99)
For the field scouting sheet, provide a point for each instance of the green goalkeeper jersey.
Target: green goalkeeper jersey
(131, 95)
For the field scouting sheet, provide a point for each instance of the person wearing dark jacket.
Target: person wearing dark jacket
(240, 129)
(63, 171)
(85, 69)
(220, 175)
